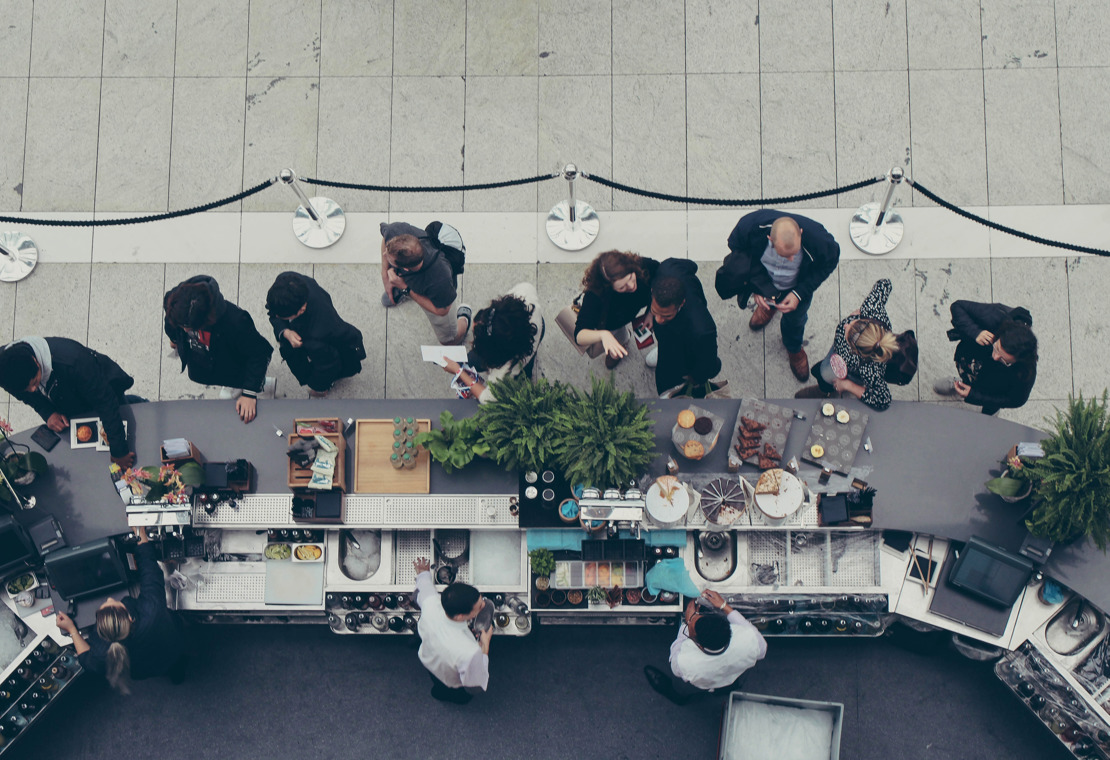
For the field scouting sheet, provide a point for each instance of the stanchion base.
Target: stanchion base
(331, 226)
(875, 240)
(19, 257)
(572, 236)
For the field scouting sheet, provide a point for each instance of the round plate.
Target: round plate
(666, 512)
(716, 493)
(786, 502)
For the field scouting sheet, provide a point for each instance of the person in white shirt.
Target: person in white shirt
(456, 660)
(712, 650)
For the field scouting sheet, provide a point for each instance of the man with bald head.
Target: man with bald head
(779, 259)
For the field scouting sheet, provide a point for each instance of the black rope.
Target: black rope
(1001, 227)
(729, 202)
(429, 188)
(139, 219)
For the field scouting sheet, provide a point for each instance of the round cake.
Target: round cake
(722, 501)
(703, 426)
(686, 418)
(693, 450)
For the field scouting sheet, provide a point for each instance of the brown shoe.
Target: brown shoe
(799, 365)
(812, 391)
(760, 318)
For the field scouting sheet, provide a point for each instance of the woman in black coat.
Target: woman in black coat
(616, 288)
(135, 638)
(996, 358)
(217, 341)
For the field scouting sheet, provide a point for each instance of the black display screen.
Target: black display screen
(991, 573)
(15, 548)
(87, 570)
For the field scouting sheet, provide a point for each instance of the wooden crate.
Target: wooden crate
(299, 476)
(334, 421)
(374, 473)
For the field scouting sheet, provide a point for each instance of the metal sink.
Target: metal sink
(360, 563)
(1074, 627)
(715, 555)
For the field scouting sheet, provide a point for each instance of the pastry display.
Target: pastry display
(769, 482)
(668, 485)
(842, 417)
(686, 419)
(722, 501)
(760, 423)
(746, 452)
(693, 450)
(751, 426)
(703, 426)
(827, 409)
(817, 451)
(771, 452)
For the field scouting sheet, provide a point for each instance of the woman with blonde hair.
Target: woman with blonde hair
(865, 343)
(135, 638)
(616, 288)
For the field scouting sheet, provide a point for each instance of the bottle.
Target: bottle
(351, 621)
(398, 434)
(398, 448)
(330, 600)
(390, 601)
(408, 461)
(358, 602)
(345, 602)
(410, 621)
(15, 722)
(374, 601)
(396, 462)
(24, 673)
(498, 600)
(403, 601)
(49, 646)
(28, 706)
(47, 683)
(396, 623)
(59, 672)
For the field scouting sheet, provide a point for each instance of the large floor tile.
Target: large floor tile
(1088, 283)
(15, 37)
(1081, 31)
(174, 382)
(1073, 224)
(206, 149)
(53, 301)
(13, 130)
(67, 40)
(493, 238)
(575, 37)
(427, 151)
(944, 34)
(501, 141)
(576, 127)
(796, 35)
(727, 35)
(139, 38)
(649, 119)
(723, 163)
(133, 155)
(354, 140)
(212, 38)
(268, 237)
(354, 290)
(1085, 134)
(558, 285)
(407, 375)
(484, 282)
(60, 164)
(649, 37)
(281, 132)
(1041, 285)
(1039, 414)
(1018, 34)
(284, 39)
(212, 237)
(130, 331)
(254, 282)
(429, 39)
(869, 38)
(872, 130)
(1023, 137)
(790, 132)
(502, 37)
(948, 146)
(824, 313)
(356, 38)
(740, 349)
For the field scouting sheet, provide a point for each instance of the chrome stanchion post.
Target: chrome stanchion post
(318, 222)
(876, 228)
(18, 256)
(571, 224)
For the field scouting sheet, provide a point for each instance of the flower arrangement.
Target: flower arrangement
(1016, 481)
(166, 483)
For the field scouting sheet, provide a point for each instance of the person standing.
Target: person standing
(314, 341)
(779, 259)
(218, 343)
(455, 659)
(996, 358)
(615, 289)
(413, 268)
(135, 638)
(684, 330)
(711, 651)
(59, 378)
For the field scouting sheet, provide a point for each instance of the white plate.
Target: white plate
(663, 511)
(786, 502)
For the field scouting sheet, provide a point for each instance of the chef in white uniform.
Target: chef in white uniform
(456, 660)
(712, 650)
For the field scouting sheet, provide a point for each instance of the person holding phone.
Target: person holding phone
(616, 289)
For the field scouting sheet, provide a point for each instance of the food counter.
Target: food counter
(790, 575)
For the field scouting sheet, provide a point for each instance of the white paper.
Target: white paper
(435, 354)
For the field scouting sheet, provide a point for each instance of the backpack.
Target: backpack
(447, 240)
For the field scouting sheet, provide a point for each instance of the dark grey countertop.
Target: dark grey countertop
(929, 465)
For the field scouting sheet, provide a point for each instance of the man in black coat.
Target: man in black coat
(217, 342)
(59, 378)
(781, 259)
(315, 342)
(684, 328)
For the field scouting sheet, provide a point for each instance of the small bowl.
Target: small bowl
(647, 597)
(558, 597)
(632, 595)
(575, 597)
(541, 599)
(568, 510)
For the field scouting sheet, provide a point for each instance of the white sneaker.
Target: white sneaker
(269, 387)
(226, 394)
(651, 358)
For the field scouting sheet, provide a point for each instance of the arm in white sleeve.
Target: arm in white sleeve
(735, 618)
(476, 671)
(424, 587)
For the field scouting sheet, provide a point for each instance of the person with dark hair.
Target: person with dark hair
(314, 341)
(996, 358)
(615, 289)
(412, 267)
(715, 646)
(59, 378)
(507, 336)
(218, 342)
(455, 659)
(135, 638)
(684, 329)
(779, 259)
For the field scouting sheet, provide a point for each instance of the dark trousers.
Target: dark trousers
(445, 693)
(794, 326)
(318, 365)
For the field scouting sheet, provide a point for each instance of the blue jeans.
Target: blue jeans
(794, 326)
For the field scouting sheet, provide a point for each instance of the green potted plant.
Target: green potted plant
(18, 468)
(456, 444)
(543, 565)
(519, 426)
(1072, 479)
(1016, 481)
(167, 483)
(604, 438)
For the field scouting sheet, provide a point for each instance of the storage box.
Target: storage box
(194, 455)
(299, 476)
(762, 726)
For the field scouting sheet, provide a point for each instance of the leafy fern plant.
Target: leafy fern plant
(518, 427)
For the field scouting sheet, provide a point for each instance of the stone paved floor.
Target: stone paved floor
(121, 106)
